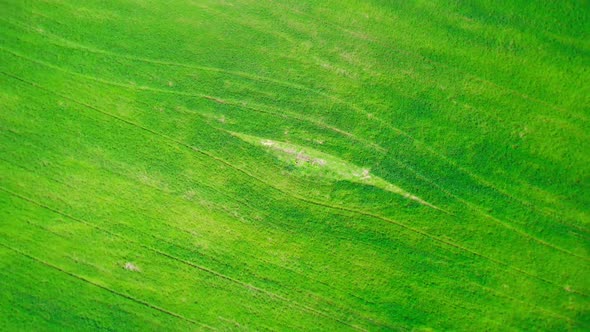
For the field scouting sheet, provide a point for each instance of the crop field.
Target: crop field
(285, 165)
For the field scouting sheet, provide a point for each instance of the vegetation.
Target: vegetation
(294, 165)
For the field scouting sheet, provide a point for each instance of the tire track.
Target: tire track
(65, 43)
(354, 34)
(69, 44)
(144, 88)
(479, 210)
(166, 192)
(380, 149)
(442, 241)
(325, 300)
(533, 306)
(105, 288)
(182, 230)
(420, 57)
(469, 204)
(371, 321)
(417, 56)
(236, 104)
(188, 263)
(303, 199)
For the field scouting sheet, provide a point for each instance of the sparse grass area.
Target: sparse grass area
(294, 165)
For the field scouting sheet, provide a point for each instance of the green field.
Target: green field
(294, 165)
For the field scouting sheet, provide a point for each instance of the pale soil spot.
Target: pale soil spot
(308, 159)
(267, 142)
(131, 267)
(365, 175)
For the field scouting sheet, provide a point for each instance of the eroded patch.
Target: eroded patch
(316, 163)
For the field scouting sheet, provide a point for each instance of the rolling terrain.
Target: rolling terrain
(294, 165)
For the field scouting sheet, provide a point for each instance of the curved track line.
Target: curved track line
(421, 57)
(254, 77)
(188, 263)
(403, 165)
(65, 43)
(477, 178)
(284, 113)
(192, 250)
(355, 211)
(528, 304)
(144, 88)
(373, 322)
(440, 240)
(478, 209)
(112, 291)
(286, 83)
(469, 204)
(417, 56)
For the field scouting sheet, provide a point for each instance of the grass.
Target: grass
(139, 132)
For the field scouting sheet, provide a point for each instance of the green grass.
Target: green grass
(166, 134)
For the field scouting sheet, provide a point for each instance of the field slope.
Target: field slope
(294, 165)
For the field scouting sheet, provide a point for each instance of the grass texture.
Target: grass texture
(294, 165)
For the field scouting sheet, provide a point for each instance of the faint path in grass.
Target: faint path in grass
(110, 290)
(376, 323)
(393, 188)
(271, 294)
(420, 57)
(62, 42)
(331, 166)
(310, 201)
(192, 250)
(490, 290)
(69, 44)
(284, 113)
(354, 34)
(470, 205)
(185, 262)
(480, 210)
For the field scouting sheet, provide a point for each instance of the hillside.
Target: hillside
(294, 165)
